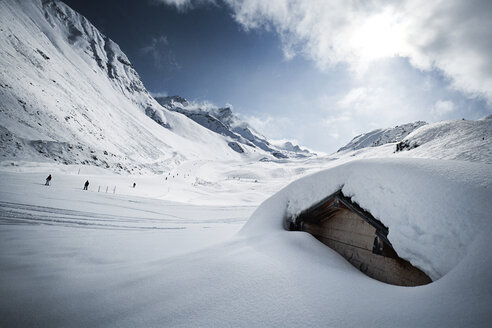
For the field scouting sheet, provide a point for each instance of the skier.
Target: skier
(134, 185)
(48, 179)
(86, 184)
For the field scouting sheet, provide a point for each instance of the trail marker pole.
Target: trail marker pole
(99, 189)
(107, 189)
(114, 190)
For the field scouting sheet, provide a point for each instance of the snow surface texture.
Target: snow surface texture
(459, 139)
(75, 258)
(452, 140)
(380, 137)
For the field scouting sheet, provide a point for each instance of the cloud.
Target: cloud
(158, 94)
(454, 36)
(272, 126)
(202, 105)
(388, 63)
(155, 43)
(184, 5)
(356, 98)
(177, 3)
(282, 142)
(162, 56)
(334, 119)
(374, 103)
(442, 107)
(260, 123)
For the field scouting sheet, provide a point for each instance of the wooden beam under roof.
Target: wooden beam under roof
(329, 205)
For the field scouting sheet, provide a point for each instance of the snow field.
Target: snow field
(75, 258)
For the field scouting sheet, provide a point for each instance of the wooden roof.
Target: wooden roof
(329, 205)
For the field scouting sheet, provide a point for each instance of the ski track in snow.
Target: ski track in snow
(16, 213)
(22, 213)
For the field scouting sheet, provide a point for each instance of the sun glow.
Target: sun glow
(378, 36)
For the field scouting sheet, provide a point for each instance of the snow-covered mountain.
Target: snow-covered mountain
(458, 139)
(464, 140)
(68, 93)
(224, 122)
(380, 137)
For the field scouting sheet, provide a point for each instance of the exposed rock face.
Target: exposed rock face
(83, 35)
(224, 122)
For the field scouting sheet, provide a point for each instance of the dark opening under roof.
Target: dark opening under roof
(320, 210)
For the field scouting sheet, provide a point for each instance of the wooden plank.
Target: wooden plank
(351, 231)
(385, 269)
(347, 230)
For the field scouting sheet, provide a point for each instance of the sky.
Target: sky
(315, 72)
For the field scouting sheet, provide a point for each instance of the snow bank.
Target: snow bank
(433, 208)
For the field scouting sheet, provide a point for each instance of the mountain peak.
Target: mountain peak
(172, 101)
(86, 38)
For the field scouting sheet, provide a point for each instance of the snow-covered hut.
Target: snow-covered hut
(359, 237)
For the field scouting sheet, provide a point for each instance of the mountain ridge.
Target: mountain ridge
(380, 137)
(70, 95)
(223, 121)
(62, 81)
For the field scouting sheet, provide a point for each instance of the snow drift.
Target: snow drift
(434, 209)
(56, 274)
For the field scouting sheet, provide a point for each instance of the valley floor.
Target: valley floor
(59, 243)
(74, 258)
